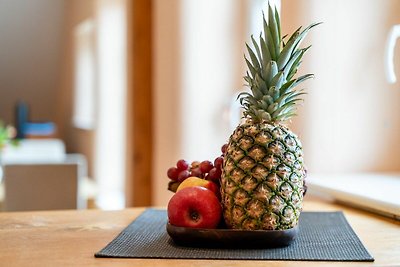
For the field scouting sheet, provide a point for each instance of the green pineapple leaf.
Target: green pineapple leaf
(258, 51)
(272, 65)
(273, 26)
(253, 58)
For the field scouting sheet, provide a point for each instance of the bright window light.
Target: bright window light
(110, 128)
(84, 98)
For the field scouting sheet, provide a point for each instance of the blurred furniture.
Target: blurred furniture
(374, 192)
(30, 129)
(44, 185)
(70, 238)
(34, 151)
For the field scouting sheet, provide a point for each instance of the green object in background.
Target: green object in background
(7, 134)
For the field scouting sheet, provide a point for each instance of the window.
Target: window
(85, 76)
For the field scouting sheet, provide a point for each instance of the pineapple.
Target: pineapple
(262, 180)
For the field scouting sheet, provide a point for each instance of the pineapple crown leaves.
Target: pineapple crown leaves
(272, 65)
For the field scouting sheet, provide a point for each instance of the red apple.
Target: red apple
(195, 181)
(195, 207)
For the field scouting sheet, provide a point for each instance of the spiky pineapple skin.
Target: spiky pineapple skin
(262, 178)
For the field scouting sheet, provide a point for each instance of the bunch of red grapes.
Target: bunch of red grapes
(205, 169)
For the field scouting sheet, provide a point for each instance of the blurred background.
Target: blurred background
(119, 90)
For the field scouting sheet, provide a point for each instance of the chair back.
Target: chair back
(41, 186)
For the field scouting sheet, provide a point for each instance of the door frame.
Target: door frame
(140, 104)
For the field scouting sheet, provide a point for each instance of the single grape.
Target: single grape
(195, 164)
(173, 173)
(214, 174)
(206, 166)
(183, 175)
(218, 162)
(223, 148)
(182, 165)
(196, 172)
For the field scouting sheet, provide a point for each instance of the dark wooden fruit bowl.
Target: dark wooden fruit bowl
(231, 238)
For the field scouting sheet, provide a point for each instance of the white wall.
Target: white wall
(198, 70)
(350, 121)
(209, 63)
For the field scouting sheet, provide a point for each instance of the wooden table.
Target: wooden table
(70, 238)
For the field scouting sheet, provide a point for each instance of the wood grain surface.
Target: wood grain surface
(70, 238)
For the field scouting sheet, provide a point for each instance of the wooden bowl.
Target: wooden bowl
(231, 238)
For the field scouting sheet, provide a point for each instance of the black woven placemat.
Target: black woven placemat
(323, 236)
